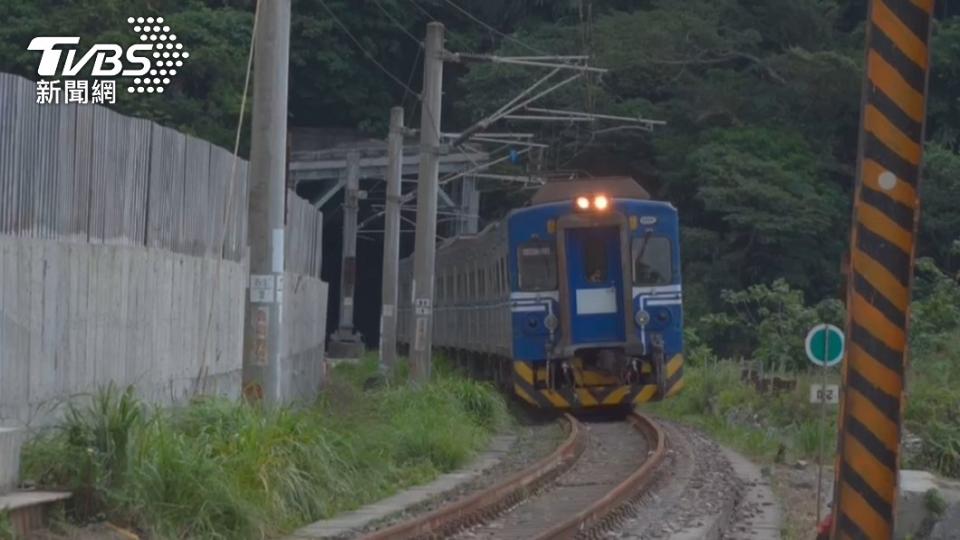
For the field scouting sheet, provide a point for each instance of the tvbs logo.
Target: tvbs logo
(151, 64)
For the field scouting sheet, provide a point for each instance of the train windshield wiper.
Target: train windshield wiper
(643, 245)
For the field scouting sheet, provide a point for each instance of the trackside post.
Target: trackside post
(882, 246)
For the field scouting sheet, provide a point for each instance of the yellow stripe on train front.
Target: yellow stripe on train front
(523, 394)
(586, 398)
(556, 399)
(674, 364)
(616, 396)
(524, 371)
(646, 394)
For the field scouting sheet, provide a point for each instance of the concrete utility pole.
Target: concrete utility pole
(391, 242)
(427, 185)
(345, 343)
(262, 374)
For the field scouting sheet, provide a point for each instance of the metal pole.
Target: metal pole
(427, 185)
(391, 242)
(823, 414)
(345, 343)
(262, 375)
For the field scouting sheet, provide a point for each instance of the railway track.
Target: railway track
(578, 491)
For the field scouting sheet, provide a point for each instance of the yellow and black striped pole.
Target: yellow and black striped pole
(883, 236)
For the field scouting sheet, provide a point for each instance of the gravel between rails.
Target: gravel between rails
(693, 496)
(613, 451)
(536, 438)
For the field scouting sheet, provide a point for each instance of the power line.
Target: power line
(364, 50)
(458, 40)
(397, 24)
(229, 203)
(479, 21)
(413, 71)
(421, 10)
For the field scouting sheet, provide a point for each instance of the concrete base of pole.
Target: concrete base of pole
(345, 344)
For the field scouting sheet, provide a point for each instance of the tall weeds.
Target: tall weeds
(223, 469)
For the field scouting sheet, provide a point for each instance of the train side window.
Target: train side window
(537, 266)
(652, 261)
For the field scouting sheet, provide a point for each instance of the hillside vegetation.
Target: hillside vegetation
(761, 100)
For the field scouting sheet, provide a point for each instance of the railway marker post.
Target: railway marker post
(883, 234)
(824, 346)
(425, 248)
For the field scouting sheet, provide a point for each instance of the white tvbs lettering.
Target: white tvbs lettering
(108, 58)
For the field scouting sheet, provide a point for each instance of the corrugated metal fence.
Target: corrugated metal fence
(304, 237)
(86, 173)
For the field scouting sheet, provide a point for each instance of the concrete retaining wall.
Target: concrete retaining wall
(76, 316)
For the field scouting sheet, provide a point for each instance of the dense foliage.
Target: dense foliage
(761, 100)
(767, 324)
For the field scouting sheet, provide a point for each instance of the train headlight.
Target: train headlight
(551, 322)
(641, 318)
(583, 203)
(601, 202)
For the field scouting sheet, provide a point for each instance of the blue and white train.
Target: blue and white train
(574, 302)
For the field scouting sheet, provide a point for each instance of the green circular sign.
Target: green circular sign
(824, 345)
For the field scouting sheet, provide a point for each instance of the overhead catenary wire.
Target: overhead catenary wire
(363, 49)
(480, 21)
(413, 71)
(452, 35)
(397, 23)
(415, 39)
(372, 58)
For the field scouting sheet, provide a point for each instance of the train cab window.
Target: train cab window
(595, 262)
(537, 265)
(652, 261)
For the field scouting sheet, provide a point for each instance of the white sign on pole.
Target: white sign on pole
(262, 287)
(824, 393)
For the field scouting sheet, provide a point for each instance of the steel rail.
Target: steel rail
(604, 510)
(489, 502)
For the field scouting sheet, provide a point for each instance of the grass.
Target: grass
(224, 469)
(6, 527)
(763, 426)
(933, 403)
(787, 427)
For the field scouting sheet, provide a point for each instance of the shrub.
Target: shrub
(768, 323)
